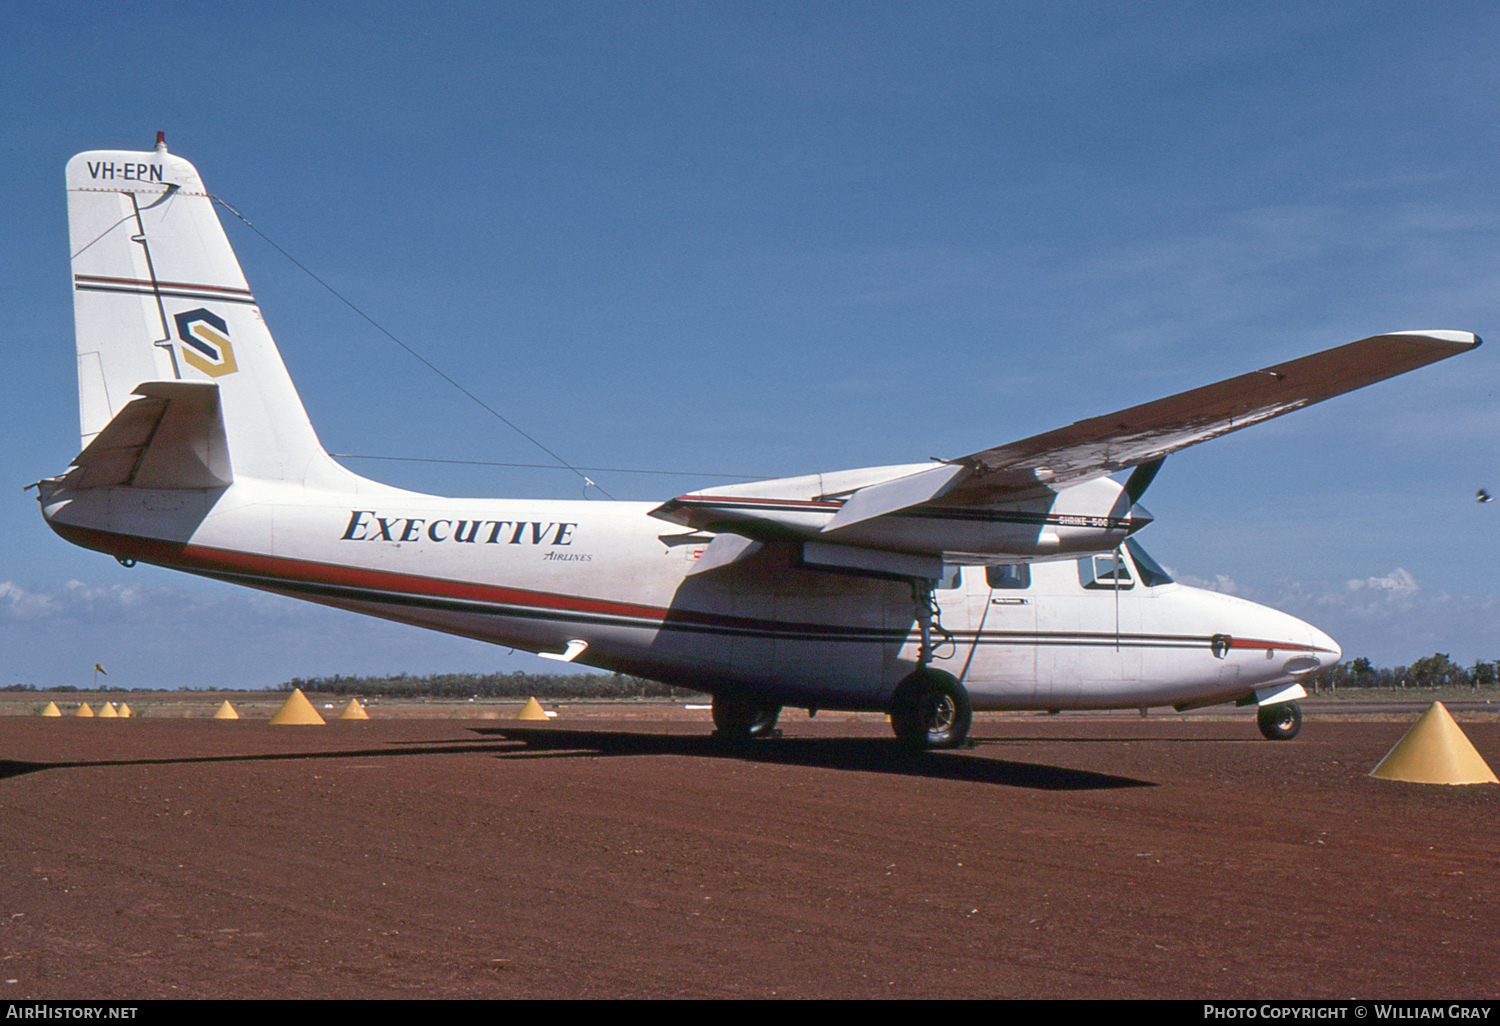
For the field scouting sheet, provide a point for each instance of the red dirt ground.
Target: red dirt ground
(1060, 857)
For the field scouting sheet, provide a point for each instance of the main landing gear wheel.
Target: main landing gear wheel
(1279, 722)
(737, 718)
(930, 709)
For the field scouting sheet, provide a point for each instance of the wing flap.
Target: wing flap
(723, 551)
(902, 493)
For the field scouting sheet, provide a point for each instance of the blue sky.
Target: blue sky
(769, 239)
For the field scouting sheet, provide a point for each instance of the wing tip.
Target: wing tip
(1466, 339)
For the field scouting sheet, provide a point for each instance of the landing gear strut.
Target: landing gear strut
(930, 708)
(1279, 722)
(929, 619)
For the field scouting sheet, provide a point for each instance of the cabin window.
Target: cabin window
(1150, 570)
(953, 577)
(1105, 570)
(1008, 576)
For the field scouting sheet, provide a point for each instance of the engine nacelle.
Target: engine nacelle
(1093, 516)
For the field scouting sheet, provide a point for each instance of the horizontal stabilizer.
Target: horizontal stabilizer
(172, 436)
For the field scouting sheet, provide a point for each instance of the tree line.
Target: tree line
(515, 685)
(1434, 671)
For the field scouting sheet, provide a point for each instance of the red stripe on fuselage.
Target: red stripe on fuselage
(1256, 643)
(201, 557)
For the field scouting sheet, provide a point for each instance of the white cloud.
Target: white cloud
(18, 603)
(1396, 584)
(1390, 618)
(1219, 583)
(76, 600)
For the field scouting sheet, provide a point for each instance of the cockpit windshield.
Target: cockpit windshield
(1150, 570)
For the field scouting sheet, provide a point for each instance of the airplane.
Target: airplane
(1005, 579)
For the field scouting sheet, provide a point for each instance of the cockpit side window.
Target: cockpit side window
(1008, 576)
(1105, 570)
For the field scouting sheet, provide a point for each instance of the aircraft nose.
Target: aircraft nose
(1325, 648)
(1321, 651)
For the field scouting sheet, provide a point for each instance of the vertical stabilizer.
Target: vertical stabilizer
(159, 296)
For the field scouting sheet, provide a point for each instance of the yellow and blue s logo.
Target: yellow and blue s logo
(205, 342)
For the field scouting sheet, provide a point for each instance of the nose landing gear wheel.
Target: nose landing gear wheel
(1279, 722)
(930, 710)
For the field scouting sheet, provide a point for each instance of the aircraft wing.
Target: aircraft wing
(1142, 434)
(1102, 445)
(1033, 498)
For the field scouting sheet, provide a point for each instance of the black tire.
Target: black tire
(1279, 722)
(738, 718)
(931, 710)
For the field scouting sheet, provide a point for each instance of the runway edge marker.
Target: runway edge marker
(1435, 751)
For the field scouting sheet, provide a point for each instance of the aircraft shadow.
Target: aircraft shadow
(1124, 739)
(869, 755)
(13, 768)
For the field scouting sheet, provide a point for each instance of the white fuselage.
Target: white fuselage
(539, 575)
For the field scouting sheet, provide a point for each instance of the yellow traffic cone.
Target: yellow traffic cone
(51, 710)
(532, 710)
(354, 711)
(226, 712)
(84, 710)
(125, 712)
(297, 711)
(107, 711)
(1435, 751)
